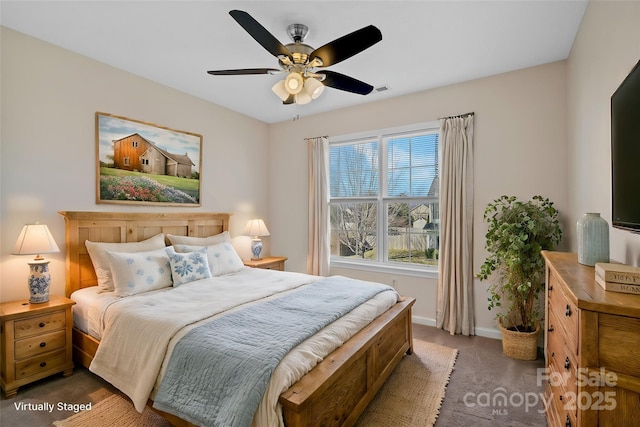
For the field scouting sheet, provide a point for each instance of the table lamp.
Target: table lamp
(256, 228)
(36, 239)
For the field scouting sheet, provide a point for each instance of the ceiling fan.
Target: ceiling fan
(299, 61)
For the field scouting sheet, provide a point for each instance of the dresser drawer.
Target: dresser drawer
(44, 362)
(39, 324)
(562, 403)
(566, 312)
(39, 344)
(555, 337)
(565, 369)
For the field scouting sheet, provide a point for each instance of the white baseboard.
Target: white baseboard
(482, 332)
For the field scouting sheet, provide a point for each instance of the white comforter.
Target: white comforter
(139, 332)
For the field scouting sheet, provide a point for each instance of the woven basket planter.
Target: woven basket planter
(520, 345)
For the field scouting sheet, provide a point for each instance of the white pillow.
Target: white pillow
(199, 241)
(188, 267)
(98, 253)
(137, 272)
(223, 258)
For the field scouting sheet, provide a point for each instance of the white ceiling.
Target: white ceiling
(425, 44)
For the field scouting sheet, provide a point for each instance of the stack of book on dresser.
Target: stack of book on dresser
(618, 277)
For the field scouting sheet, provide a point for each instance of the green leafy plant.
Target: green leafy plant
(517, 232)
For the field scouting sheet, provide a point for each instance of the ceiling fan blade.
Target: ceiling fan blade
(347, 46)
(260, 34)
(243, 71)
(346, 83)
(290, 100)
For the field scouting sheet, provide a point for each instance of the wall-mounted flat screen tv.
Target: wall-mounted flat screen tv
(625, 153)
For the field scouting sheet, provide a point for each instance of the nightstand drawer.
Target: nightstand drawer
(40, 324)
(44, 362)
(33, 346)
(267, 263)
(279, 265)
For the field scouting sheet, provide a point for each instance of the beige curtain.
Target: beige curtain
(454, 311)
(319, 248)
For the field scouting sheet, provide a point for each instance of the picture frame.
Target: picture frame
(142, 163)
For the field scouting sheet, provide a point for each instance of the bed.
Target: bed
(334, 392)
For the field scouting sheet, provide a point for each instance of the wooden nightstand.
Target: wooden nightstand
(268, 263)
(35, 341)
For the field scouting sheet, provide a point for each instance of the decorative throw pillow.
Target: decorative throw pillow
(137, 272)
(188, 267)
(223, 258)
(98, 253)
(199, 241)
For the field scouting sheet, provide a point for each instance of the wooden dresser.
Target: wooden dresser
(592, 348)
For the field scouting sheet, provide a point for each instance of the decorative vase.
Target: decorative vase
(593, 239)
(39, 282)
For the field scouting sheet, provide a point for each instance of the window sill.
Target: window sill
(429, 273)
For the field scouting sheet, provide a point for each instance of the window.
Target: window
(384, 198)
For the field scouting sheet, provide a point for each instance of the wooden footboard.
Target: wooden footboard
(339, 388)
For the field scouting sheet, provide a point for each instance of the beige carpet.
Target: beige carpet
(411, 397)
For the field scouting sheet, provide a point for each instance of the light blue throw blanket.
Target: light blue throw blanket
(219, 371)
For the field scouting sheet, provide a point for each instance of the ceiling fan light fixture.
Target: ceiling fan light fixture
(313, 87)
(280, 90)
(294, 83)
(302, 98)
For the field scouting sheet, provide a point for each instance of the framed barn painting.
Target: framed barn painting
(143, 163)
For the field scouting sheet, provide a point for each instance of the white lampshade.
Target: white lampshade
(256, 227)
(280, 90)
(302, 98)
(313, 87)
(35, 239)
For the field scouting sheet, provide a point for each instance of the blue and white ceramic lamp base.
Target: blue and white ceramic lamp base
(39, 282)
(593, 239)
(256, 248)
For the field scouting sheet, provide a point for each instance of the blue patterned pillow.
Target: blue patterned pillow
(190, 266)
(223, 258)
(138, 272)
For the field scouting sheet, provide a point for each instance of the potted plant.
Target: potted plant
(518, 231)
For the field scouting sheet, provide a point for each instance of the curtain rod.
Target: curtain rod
(314, 137)
(459, 115)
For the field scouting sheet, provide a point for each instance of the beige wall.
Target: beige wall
(49, 97)
(519, 148)
(543, 130)
(606, 48)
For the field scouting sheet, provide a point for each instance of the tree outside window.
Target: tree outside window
(385, 199)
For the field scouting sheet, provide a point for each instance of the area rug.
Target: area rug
(413, 393)
(411, 396)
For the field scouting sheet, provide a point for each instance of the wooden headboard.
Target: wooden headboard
(121, 227)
